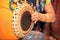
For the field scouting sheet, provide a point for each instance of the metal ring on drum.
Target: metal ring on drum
(21, 20)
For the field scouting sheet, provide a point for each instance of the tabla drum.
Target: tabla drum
(22, 23)
(14, 24)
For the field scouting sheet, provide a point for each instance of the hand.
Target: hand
(35, 17)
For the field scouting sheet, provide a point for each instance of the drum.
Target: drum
(14, 25)
(22, 23)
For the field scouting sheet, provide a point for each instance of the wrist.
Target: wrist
(39, 16)
(42, 17)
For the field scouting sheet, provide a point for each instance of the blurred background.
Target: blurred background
(53, 29)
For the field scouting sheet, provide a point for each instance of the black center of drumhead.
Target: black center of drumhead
(26, 20)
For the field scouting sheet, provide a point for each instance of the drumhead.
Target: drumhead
(26, 20)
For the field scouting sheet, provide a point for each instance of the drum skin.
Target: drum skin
(6, 30)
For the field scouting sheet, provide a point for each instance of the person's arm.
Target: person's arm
(48, 17)
(50, 14)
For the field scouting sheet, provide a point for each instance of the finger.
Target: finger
(34, 8)
(35, 21)
(31, 4)
(34, 14)
(34, 18)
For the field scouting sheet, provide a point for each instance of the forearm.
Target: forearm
(48, 17)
